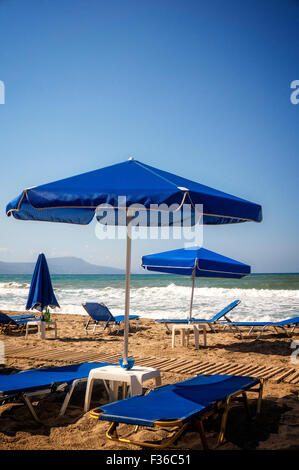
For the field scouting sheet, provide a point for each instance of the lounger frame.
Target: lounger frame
(14, 324)
(94, 324)
(210, 322)
(67, 386)
(179, 427)
(288, 330)
(12, 327)
(26, 396)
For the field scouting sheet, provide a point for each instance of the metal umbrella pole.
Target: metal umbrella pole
(127, 294)
(192, 291)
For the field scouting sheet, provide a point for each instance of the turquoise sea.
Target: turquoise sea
(263, 296)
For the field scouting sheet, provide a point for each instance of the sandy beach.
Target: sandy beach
(149, 163)
(276, 428)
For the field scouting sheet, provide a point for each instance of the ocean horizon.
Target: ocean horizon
(264, 296)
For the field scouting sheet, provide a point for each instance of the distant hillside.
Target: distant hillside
(66, 265)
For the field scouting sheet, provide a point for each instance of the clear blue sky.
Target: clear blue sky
(198, 88)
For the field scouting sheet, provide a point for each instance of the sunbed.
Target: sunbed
(23, 317)
(210, 321)
(9, 324)
(175, 407)
(43, 381)
(100, 315)
(288, 326)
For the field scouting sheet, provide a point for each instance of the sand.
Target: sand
(277, 428)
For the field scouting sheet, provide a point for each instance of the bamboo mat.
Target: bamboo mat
(181, 366)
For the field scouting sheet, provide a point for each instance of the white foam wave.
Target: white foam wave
(171, 301)
(13, 285)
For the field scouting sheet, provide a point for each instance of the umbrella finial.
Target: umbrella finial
(131, 159)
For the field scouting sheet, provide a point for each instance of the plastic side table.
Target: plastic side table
(41, 326)
(183, 329)
(115, 376)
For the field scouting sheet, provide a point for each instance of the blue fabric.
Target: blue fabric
(183, 400)
(212, 392)
(176, 320)
(74, 199)
(23, 317)
(100, 312)
(41, 294)
(224, 311)
(6, 320)
(38, 379)
(120, 318)
(216, 317)
(287, 322)
(206, 263)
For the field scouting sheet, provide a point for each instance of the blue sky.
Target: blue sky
(198, 88)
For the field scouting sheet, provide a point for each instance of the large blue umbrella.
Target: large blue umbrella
(75, 200)
(41, 294)
(195, 262)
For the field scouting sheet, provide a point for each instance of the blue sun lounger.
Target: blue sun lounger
(100, 314)
(17, 323)
(23, 317)
(177, 406)
(210, 321)
(288, 326)
(43, 381)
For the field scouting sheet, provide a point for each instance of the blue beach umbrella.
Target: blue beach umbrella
(195, 262)
(41, 294)
(76, 199)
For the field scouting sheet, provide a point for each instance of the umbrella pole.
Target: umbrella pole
(192, 294)
(127, 294)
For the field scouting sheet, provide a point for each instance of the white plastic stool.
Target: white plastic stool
(41, 326)
(183, 329)
(115, 376)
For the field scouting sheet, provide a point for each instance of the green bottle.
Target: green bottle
(47, 315)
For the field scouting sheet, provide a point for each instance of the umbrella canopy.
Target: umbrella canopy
(41, 294)
(195, 262)
(75, 200)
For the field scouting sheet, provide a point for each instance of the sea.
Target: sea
(264, 297)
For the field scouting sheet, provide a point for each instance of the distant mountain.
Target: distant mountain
(65, 265)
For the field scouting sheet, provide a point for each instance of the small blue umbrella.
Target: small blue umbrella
(195, 262)
(41, 294)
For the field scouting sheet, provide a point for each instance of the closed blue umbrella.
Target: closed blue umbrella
(195, 262)
(75, 200)
(41, 294)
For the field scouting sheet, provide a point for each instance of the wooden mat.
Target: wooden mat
(182, 366)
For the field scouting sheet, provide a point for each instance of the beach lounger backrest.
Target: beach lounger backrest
(99, 312)
(6, 320)
(225, 310)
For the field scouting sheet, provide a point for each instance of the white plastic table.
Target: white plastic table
(183, 329)
(115, 376)
(41, 326)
